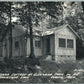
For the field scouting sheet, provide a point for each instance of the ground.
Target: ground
(68, 72)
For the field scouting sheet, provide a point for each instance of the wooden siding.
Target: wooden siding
(21, 50)
(52, 45)
(28, 46)
(37, 51)
(65, 53)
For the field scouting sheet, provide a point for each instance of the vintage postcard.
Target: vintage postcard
(41, 42)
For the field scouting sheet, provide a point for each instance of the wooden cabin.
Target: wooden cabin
(59, 43)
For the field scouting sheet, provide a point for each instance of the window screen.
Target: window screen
(62, 42)
(38, 44)
(69, 43)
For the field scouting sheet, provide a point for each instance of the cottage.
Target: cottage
(59, 43)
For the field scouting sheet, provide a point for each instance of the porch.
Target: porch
(48, 46)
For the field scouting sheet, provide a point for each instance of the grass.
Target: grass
(51, 67)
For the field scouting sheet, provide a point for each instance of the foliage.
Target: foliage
(75, 15)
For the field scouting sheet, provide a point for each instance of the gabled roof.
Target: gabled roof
(20, 30)
(52, 30)
(56, 29)
(73, 31)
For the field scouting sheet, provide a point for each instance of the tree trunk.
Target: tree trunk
(10, 35)
(31, 34)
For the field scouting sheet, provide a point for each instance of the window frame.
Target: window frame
(38, 43)
(66, 43)
(60, 41)
(72, 43)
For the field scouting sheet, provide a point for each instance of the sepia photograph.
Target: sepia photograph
(41, 42)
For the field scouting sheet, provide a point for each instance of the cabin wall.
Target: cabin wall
(7, 47)
(22, 48)
(37, 50)
(52, 46)
(28, 46)
(19, 46)
(61, 53)
(4, 48)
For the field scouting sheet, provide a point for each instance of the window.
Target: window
(62, 42)
(69, 43)
(16, 44)
(38, 43)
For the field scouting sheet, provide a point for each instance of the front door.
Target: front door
(47, 45)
